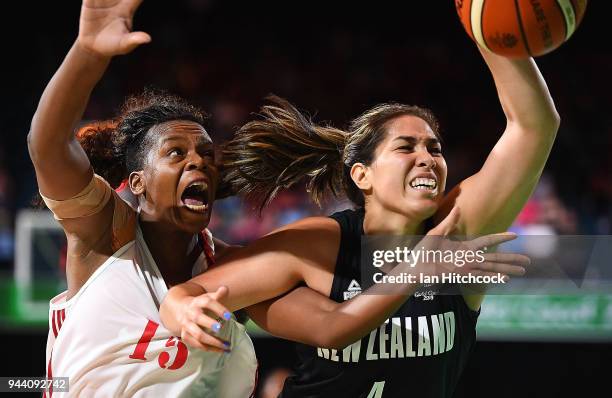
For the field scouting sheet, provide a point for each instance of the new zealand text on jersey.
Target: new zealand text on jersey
(400, 338)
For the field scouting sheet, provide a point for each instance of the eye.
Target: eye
(175, 152)
(208, 154)
(406, 148)
(436, 150)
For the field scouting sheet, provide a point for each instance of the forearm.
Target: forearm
(532, 124)
(64, 100)
(523, 93)
(349, 321)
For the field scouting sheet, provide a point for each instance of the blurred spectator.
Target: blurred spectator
(546, 209)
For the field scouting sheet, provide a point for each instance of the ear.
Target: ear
(361, 176)
(137, 183)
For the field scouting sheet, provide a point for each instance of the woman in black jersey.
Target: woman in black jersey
(390, 165)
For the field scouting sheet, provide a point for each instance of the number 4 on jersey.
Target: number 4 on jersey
(377, 390)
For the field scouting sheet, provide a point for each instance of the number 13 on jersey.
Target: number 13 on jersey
(164, 357)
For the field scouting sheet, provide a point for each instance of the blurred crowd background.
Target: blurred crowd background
(334, 60)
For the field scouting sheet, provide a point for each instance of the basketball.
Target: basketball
(520, 28)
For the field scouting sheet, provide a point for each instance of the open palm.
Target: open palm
(105, 27)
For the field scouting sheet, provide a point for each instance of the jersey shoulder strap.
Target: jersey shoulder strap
(348, 262)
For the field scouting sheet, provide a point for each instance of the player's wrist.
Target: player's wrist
(86, 52)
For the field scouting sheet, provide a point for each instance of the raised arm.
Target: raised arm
(62, 167)
(491, 199)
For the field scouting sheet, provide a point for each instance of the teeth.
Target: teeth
(197, 207)
(200, 186)
(423, 183)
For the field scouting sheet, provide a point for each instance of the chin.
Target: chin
(424, 209)
(193, 222)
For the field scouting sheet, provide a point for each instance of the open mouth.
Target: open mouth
(424, 184)
(195, 196)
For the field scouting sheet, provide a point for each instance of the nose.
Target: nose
(196, 162)
(426, 160)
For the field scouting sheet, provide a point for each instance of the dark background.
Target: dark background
(333, 59)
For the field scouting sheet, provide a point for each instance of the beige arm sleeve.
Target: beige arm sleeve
(89, 201)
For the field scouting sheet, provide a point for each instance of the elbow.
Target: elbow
(554, 122)
(331, 342)
(549, 121)
(31, 142)
(544, 126)
(333, 339)
(551, 127)
(33, 139)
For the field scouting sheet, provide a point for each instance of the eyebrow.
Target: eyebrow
(413, 140)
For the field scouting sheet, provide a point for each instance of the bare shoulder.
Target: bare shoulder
(311, 224)
(309, 234)
(312, 243)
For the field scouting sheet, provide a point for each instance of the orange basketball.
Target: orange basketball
(520, 28)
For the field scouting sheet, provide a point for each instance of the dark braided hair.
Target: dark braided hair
(117, 147)
(140, 113)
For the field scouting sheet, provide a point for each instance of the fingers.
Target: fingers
(193, 342)
(508, 258)
(204, 336)
(132, 40)
(208, 302)
(507, 269)
(448, 225)
(207, 323)
(220, 293)
(491, 240)
(505, 278)
(200, 328)
(196, 337)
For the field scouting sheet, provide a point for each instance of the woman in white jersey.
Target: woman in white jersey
(105, 332)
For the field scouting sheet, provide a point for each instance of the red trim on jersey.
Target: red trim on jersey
(53, 326)
(57, 320)
(60, 320)
(122, 186)
(50, 373)
(208, 251)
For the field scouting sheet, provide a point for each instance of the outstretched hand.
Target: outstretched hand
(488, 264)
(201, 319)
(105, 27)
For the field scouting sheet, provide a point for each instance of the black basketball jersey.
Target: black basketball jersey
(419, 352)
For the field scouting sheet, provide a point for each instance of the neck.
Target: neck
(174, 251)
(382, 221)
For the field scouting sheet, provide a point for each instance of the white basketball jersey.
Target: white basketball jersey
(109, 341)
